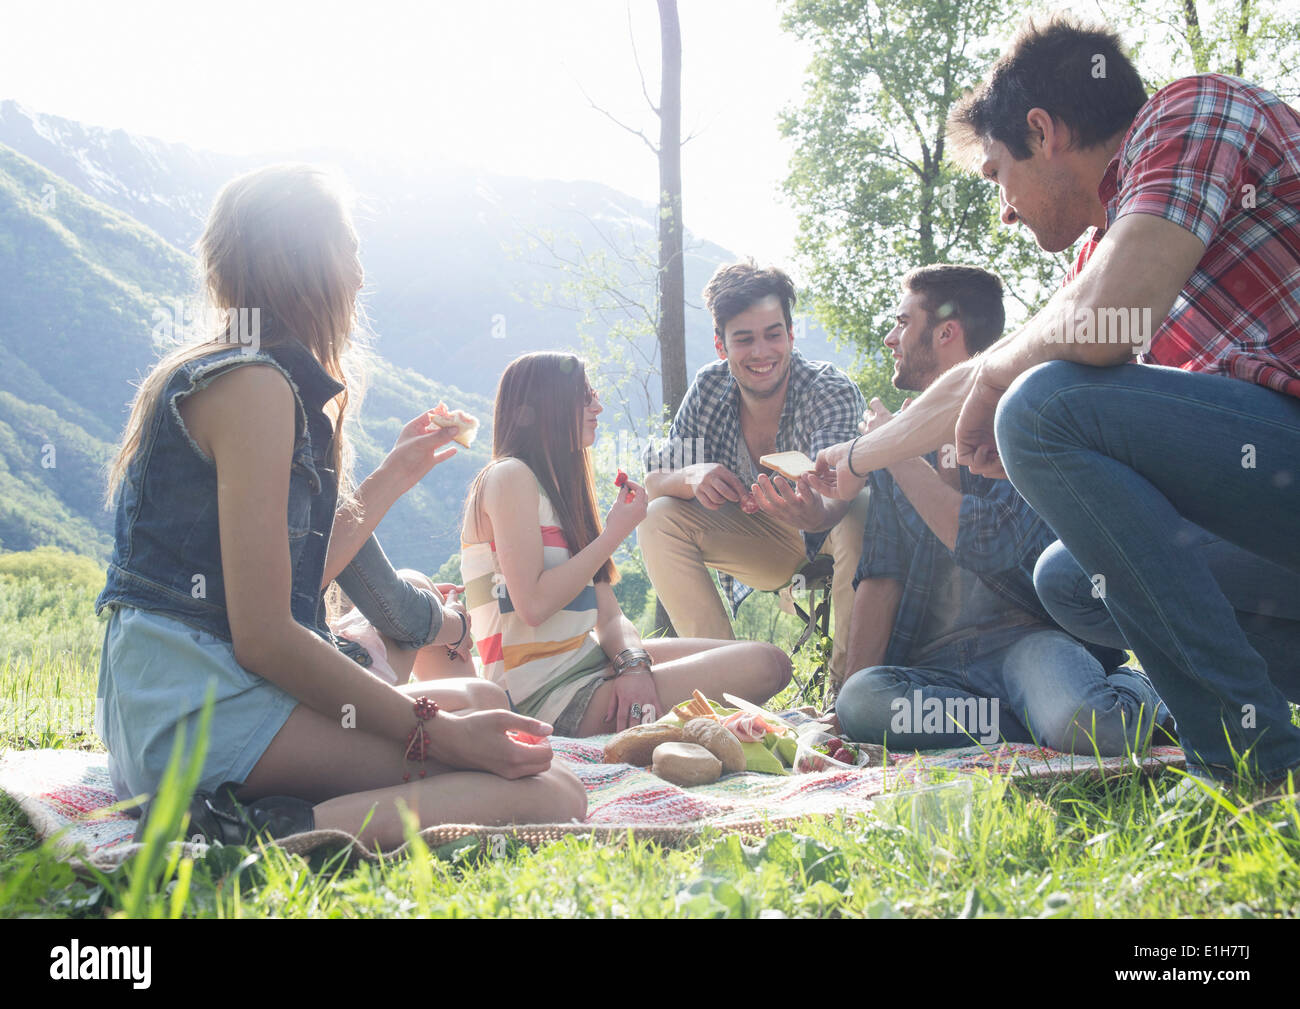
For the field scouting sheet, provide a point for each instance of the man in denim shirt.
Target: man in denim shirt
(949, 639)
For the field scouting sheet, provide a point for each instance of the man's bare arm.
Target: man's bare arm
(875, 608)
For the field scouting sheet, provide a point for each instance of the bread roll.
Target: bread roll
(636, 745)
(467, 426)
(686, 764)
(719, 741)
(789, 464)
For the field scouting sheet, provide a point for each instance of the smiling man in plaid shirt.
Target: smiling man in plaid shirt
(1173, 485)
(712, 504)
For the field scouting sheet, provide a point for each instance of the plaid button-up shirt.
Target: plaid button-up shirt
(999, 538)
(1220, 158)
(822, 408)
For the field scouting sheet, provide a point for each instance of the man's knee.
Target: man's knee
(1062, 586)
(663, 514)
(864, 703)
(1029, 400)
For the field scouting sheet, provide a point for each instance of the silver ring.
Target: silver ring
(635, 711)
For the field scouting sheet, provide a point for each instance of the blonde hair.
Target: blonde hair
(279, 239)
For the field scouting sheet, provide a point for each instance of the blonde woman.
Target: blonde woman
(228, 527)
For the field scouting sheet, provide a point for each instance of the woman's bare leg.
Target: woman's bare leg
(669, 649)
(749, 669)
(351, 774)
(432, 661)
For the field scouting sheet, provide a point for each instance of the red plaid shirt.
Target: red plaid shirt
(1221, 158)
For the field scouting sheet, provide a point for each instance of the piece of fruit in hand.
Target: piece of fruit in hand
(621, 481)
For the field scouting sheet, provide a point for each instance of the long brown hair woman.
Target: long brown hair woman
(538, 573)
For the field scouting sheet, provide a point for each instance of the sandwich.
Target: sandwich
(442, 417)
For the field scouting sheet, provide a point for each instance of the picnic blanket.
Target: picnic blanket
(64, 794)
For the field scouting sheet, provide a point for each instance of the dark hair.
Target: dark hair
(537, 419)
(1076, 72)
(736, 286)
(966, 293)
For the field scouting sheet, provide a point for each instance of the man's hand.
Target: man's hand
(714, 485)
(878, 415)
(832, 476)
(977, 447)
(795, 504)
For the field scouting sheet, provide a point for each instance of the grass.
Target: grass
(972, 847)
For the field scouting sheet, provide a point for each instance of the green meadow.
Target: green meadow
(981, 847)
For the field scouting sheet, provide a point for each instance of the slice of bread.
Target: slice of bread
(790, 465)
(468, 425)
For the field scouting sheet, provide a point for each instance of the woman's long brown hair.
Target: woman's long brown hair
(279, 239)
(538, 419)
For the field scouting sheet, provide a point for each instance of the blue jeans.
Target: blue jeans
(1119, 461)
(1265, 596)
(1044, 686)
(398, 609)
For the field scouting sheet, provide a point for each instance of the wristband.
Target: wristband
(860, 476)
(464, 629)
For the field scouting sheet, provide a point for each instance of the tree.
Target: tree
(1255, 39)
(670, 322)
(875, 192)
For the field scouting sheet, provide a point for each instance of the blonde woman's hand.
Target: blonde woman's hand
(419, 448)
(482, 741)
(630, 504)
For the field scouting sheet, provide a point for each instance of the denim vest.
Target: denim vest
(167, 551)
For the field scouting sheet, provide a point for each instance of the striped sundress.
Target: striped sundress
(543, 668)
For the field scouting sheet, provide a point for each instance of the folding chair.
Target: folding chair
(814, 578)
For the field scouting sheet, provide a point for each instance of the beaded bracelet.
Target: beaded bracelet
(417, 743)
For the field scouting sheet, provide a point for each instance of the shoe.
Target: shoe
(1189, 787)
(1166, 733)
(219, 818)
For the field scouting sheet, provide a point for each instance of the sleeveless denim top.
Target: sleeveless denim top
(167, 551)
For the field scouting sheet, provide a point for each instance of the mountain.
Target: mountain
(462, 268)
(464, 272)
(80, 288)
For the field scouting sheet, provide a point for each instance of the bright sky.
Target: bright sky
(493, 84)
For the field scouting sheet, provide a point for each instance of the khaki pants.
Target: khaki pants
(681, 540)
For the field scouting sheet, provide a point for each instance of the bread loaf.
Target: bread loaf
(686, 764)
(719, 741)
(636, 745)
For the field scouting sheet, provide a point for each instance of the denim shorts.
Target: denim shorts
(154, 673)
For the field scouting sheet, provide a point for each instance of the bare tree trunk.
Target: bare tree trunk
(1195, 40)
(672, 281)
(1243, 33)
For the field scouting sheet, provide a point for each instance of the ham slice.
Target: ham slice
(746, 727)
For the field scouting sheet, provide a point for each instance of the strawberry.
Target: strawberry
(621, 479)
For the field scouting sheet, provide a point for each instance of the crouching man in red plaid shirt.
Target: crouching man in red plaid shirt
(1173, 484)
